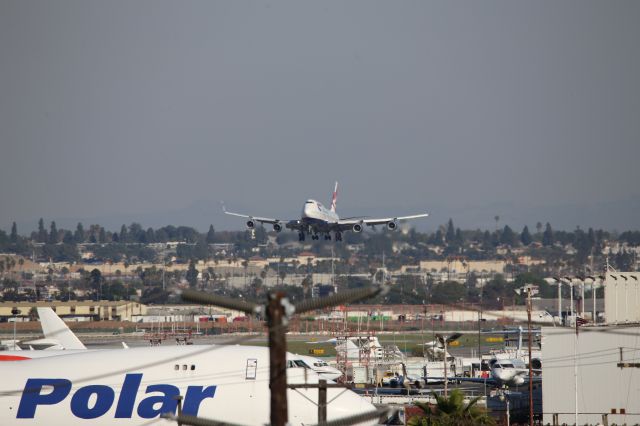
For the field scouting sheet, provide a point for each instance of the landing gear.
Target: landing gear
(315, 237)
(327, 236)
(300, 236)
(338, 236)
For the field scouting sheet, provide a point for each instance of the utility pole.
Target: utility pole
(530, 366)
(278, 310)
(277, 360)
(322, 402)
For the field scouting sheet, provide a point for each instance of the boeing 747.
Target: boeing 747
(317, 220)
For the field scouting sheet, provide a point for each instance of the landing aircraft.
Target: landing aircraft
(136, 386)
(317, 219)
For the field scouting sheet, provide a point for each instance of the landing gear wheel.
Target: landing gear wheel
(300, 236)
(327, 237)
(338, 236)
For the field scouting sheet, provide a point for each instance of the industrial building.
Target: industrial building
(102, 310)
(591, 375)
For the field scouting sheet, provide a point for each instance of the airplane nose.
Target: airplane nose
(348, 404)
(307, 210)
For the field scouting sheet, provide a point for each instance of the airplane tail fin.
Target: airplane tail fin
(54, 328)
(334, 198)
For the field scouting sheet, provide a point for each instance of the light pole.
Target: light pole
(559, 281)
(14, 312)
(626, 298)
(593, 297)
(571, 311)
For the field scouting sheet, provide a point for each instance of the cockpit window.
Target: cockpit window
(300, 363)
(506, 366)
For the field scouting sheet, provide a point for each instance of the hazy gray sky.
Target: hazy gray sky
(154, 111)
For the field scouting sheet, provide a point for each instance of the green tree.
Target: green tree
(451, 411)
(102, 236)
(525, 236)
(192, 274)
(14, 233)
(78, 236)
(547, 237)
(42, 233)
(211, 235)
(448, 292)
(53, 233)
(123, 234)
(95, 278)
(451, 232)
(508, 237)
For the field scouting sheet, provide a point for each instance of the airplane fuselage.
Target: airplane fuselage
(137, 385)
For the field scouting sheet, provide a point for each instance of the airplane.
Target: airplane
(65, 342)
(57, 335)
(316, 219)
(506, 372)
(320, 367)
(137, 386)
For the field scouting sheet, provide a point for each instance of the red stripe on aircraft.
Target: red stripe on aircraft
(13, 358)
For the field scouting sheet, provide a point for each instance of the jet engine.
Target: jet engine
(357, 228)
(392, 225)
(277, 227)
(251, 224)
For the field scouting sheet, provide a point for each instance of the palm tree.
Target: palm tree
(451, 411)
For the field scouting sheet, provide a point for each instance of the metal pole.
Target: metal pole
(15, 312)
(593, 297)
(277, 360)
(571, 299)
(479, 329)
(530, 366)
(446, 379)
(575, 373)
(322, 402)
(582, 299)
(560, 302)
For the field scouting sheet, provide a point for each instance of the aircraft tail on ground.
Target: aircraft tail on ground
(54, 328)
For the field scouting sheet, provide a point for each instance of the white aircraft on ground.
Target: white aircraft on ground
(136, 386)
(64, 342)
(317, 219)
(320, 367)
(57, 335)
(505, 372)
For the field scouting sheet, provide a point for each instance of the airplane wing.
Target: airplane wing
(290, 224)
(348, 223)
(487, 380)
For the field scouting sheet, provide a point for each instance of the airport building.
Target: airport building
(591, 377)
(622, 297)
(102, 310)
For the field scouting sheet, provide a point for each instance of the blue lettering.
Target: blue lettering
(128, 394)
(167, 401)
(93, 401)
(194, 397)
(32, 395)
(80, 401)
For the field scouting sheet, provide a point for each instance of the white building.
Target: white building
(595, 373)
